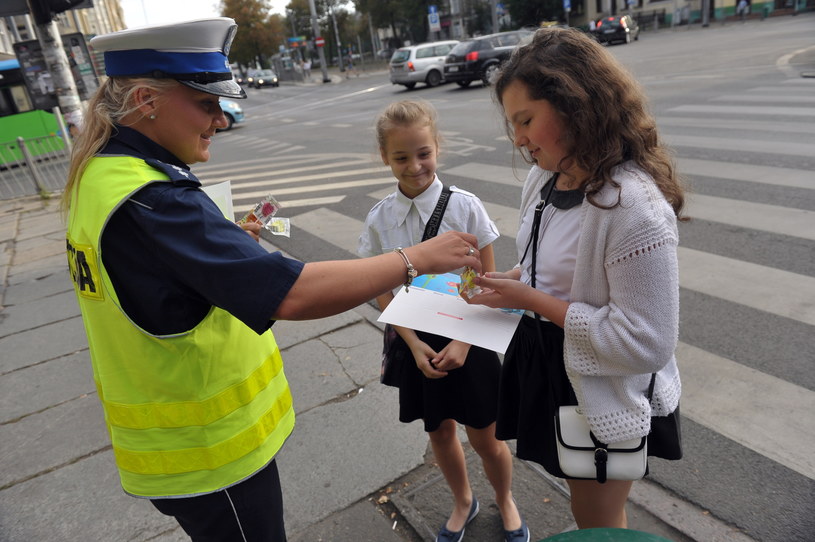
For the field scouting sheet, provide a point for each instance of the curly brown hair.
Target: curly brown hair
(605, 109)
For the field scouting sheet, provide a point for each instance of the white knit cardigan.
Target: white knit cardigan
(623, 319)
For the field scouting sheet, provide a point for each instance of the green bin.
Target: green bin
(605, 535)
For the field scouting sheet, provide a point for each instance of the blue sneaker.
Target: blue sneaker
(446, 535)
(518, 535)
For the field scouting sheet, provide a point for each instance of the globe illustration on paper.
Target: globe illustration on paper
(446, 283)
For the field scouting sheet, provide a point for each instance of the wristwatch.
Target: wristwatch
(411, 271)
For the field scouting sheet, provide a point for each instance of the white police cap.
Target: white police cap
(193, 52)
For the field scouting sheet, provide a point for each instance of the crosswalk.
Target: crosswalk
(733, 399)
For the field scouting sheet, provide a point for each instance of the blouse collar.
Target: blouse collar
(425, 202)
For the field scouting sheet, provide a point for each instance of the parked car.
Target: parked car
(479, 58)
(423, 63)
(622, 28)
(385, 54)
(232, 111)
(262, 78)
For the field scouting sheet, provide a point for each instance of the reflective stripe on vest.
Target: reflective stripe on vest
(189, 413)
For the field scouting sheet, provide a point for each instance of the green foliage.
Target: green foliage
(406, 19)
(259, 33)
(532, 12)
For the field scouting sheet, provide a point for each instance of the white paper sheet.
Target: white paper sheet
(221, 194)
(450, 316)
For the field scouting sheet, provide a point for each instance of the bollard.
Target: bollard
(32, 167)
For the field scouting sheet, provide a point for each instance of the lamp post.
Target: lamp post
(56, 59)
(315, 30)
(337, 35)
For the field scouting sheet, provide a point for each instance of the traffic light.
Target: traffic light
(42, 10)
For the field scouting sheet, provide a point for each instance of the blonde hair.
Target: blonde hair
(406, 113)
(113, 102)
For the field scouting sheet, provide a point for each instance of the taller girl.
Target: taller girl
(606, 282)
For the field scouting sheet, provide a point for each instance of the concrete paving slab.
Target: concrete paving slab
(290, 333)
(39, 387)
(39, 313)
(39, 248)
(424, 499)
(42, 222)
(359, 349)
(361, 522)
(81, 502)
(339, 453)
(56, 282)
(8, 228)
(315, 375)
(37, 268)
(51, 439)
(33, 346)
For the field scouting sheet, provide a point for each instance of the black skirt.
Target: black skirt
(534, 384)
(468, 395)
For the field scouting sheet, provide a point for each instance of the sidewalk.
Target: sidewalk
(350, 471)
(335, 76)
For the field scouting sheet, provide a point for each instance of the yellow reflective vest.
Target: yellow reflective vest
(189, 413)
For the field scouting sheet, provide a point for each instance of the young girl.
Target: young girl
(606, 277)
(450, 381)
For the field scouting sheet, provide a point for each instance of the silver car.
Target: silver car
(423, 63)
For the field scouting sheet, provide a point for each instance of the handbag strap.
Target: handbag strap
(536, 222)
(433, 223)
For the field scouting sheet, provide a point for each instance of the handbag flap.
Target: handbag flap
(573, 432)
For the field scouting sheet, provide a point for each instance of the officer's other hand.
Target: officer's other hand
(253, 229)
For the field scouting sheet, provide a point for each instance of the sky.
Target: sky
(143, 12)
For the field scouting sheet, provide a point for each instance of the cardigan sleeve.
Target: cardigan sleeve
(634, 328)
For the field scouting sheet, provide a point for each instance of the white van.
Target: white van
(423, 63)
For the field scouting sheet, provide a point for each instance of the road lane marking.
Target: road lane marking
(764, 288)
(491, 173)
(736, 124)
(768, 98)
(336, 228)
(777, 176)
(751, 215)
(746, 110)
(505, 218)
(750, 407)
(784, 148)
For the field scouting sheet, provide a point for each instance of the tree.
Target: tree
(532, 12)
(407, 20)
(298, 15)
(259, 34)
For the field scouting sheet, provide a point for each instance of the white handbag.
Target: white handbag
(582, 456)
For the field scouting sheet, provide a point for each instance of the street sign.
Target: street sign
(433, 21)
(319, 42)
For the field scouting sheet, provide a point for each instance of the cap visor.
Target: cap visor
(227, 89)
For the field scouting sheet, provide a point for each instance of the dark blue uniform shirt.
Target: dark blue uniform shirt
(172, 255)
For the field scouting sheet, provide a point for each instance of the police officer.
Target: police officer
(178, 301)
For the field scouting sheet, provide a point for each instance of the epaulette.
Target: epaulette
(460, 191)
(174, 172)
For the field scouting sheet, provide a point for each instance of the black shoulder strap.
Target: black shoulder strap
(432, 227)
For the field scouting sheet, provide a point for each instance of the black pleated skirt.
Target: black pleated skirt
(534, 384)
(468, 395)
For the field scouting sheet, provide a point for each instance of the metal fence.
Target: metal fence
(31, 166)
